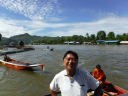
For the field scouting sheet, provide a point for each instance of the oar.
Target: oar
(50, 94)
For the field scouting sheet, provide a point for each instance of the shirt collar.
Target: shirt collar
(66, 74)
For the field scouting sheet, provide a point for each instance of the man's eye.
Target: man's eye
(70, 59)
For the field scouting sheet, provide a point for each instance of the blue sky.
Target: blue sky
(62, 17)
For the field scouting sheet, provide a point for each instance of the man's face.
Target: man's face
(70, 62)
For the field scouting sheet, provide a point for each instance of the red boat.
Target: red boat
(113, 90)
(18, 65)
(109, 89)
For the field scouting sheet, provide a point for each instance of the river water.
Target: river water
(113, 59)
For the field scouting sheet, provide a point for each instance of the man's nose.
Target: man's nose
(71, 60)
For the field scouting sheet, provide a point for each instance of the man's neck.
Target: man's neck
(71, 73)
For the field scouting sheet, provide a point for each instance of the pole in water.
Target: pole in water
(42, 66)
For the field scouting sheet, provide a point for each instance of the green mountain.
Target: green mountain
(26, 38)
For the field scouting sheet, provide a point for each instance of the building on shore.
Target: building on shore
(124, 43)
(71, 42)
(112, 42)
(108, 42)
(100, 42)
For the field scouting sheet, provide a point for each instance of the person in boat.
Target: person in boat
(7, 58)
(99, 74)
(72, 81)
(52, 49)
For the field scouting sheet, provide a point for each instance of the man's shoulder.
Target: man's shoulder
(61, 73)
(83, 72)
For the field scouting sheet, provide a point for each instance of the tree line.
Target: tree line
(101, 35)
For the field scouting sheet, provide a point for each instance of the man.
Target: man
(7, 58)
(72, 81)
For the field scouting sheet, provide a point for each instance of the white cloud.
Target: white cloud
(33, 9)
(38, 10)
(109, 24)
(11, 27)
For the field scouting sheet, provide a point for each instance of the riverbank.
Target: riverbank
(15, 50)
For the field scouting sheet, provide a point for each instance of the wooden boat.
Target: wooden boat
(18, 65)
(109, 89)
(113, 90)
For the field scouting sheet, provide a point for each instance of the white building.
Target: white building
(124, 42)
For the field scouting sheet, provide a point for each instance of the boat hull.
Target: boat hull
(109, 89)
(17, 65)
(119, 91)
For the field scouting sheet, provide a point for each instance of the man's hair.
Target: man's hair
(71, 52)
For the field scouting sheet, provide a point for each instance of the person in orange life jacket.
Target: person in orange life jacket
(99, 74)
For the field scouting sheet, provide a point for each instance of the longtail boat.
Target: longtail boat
(114, 90)
(18, 65)
(109, 89)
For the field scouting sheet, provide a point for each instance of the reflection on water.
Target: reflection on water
(2, 73)
(113, 59)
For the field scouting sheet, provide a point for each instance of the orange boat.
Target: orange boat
(18, 65)
(109, 89)
(113, 90)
